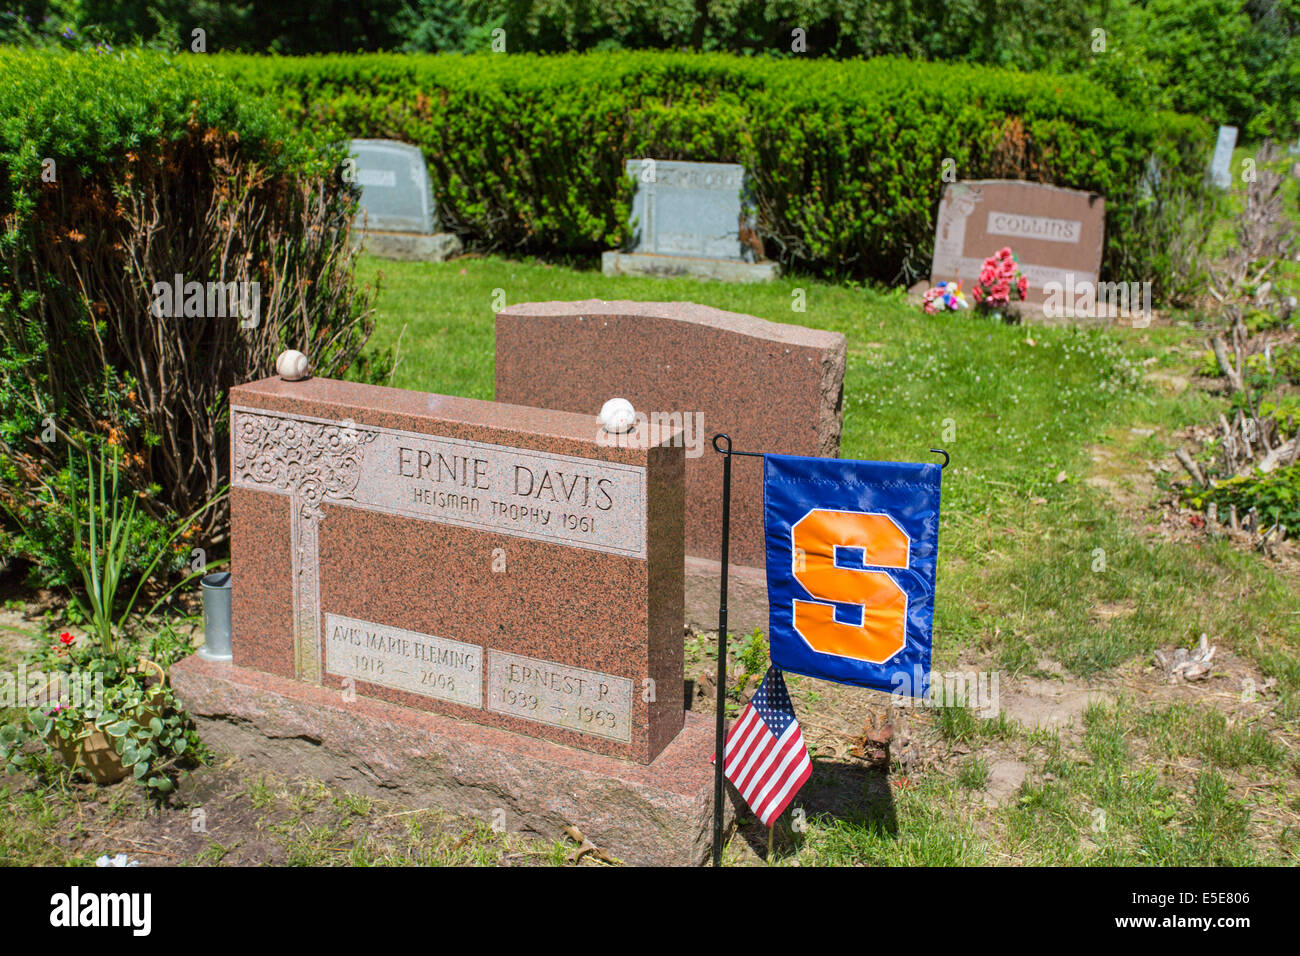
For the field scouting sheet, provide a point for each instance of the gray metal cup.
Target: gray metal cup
(215, 588)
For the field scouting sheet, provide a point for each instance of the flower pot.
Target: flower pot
(95, 755)
(93, 751)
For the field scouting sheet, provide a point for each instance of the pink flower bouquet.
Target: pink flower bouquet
(1000, 275)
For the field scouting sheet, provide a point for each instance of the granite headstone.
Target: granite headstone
(1054, 232)
(461, 604)
(470, 558)
(397, 210)
(1221, 162)
(690, 218)
(771, 386)
(396, 194)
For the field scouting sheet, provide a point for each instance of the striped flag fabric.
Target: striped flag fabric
(764, 756)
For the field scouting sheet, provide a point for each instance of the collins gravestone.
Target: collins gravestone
(1054, 232)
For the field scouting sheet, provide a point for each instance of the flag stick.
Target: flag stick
(720, 736)
(720, 693)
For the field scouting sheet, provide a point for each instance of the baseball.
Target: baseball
(617, 416)
(291, 366)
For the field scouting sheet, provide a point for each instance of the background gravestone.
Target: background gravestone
(771, 386)
(690, 219)
(1221, 163)
(397, 209)
(1054, 232)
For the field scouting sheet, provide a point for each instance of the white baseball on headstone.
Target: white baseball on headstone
(617, 416)
(291, 365)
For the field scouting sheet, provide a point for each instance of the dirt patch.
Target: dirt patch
(1006, 777)
(1059, 704)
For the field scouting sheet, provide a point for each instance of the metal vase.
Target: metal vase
(215, 588)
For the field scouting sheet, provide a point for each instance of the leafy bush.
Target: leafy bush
(1276, 494)
(119, 694)
(527, 152)
(1286, 362)
(1226, 61)
(117, 172)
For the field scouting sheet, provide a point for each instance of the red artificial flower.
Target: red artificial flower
(66, 639)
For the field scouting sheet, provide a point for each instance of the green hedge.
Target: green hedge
(159, 168)
(526, 152)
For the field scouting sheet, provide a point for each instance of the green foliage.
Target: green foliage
(527, 152)
(101, 554)
(753, 655)
(114, 691)
(42, 529)
(1227, 61)
(119, 170)
(1276, 495)
(1286, 362)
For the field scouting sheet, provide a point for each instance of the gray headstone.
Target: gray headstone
(396, 195)
(1151, 178)
(688, 209)
(1221, 165)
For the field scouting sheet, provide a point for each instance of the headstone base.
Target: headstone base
(413, 246)
(651, 264)
(645, 814)
(746, 596)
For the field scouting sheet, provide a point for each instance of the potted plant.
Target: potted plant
(106, 708)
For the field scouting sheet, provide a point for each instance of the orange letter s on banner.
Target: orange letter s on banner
(883, 631)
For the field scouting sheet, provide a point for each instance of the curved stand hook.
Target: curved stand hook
(728, 450)
(723, 437)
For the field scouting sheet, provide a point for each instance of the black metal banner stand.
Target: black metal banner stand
(720, 692)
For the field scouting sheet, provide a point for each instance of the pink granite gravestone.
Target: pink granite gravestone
(490, 562)
(771, 386)
(473, 604)
(1054, 232)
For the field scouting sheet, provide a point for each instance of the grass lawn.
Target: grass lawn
(1058, 573)
(1055, 568)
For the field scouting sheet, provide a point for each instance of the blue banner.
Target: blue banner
(851, 551)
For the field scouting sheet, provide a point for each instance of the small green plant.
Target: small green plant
(973, 774)
(101, 555)
(752, 659)
(108, 683)
(754, 654)
(89, 691)
(1286, 361)
(1276, 495)
(957, 721)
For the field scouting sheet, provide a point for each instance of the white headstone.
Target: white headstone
(1221, 165)
(396, 195)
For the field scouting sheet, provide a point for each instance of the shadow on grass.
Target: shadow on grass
(848, 790)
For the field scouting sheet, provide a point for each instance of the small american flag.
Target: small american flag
(764, 756)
